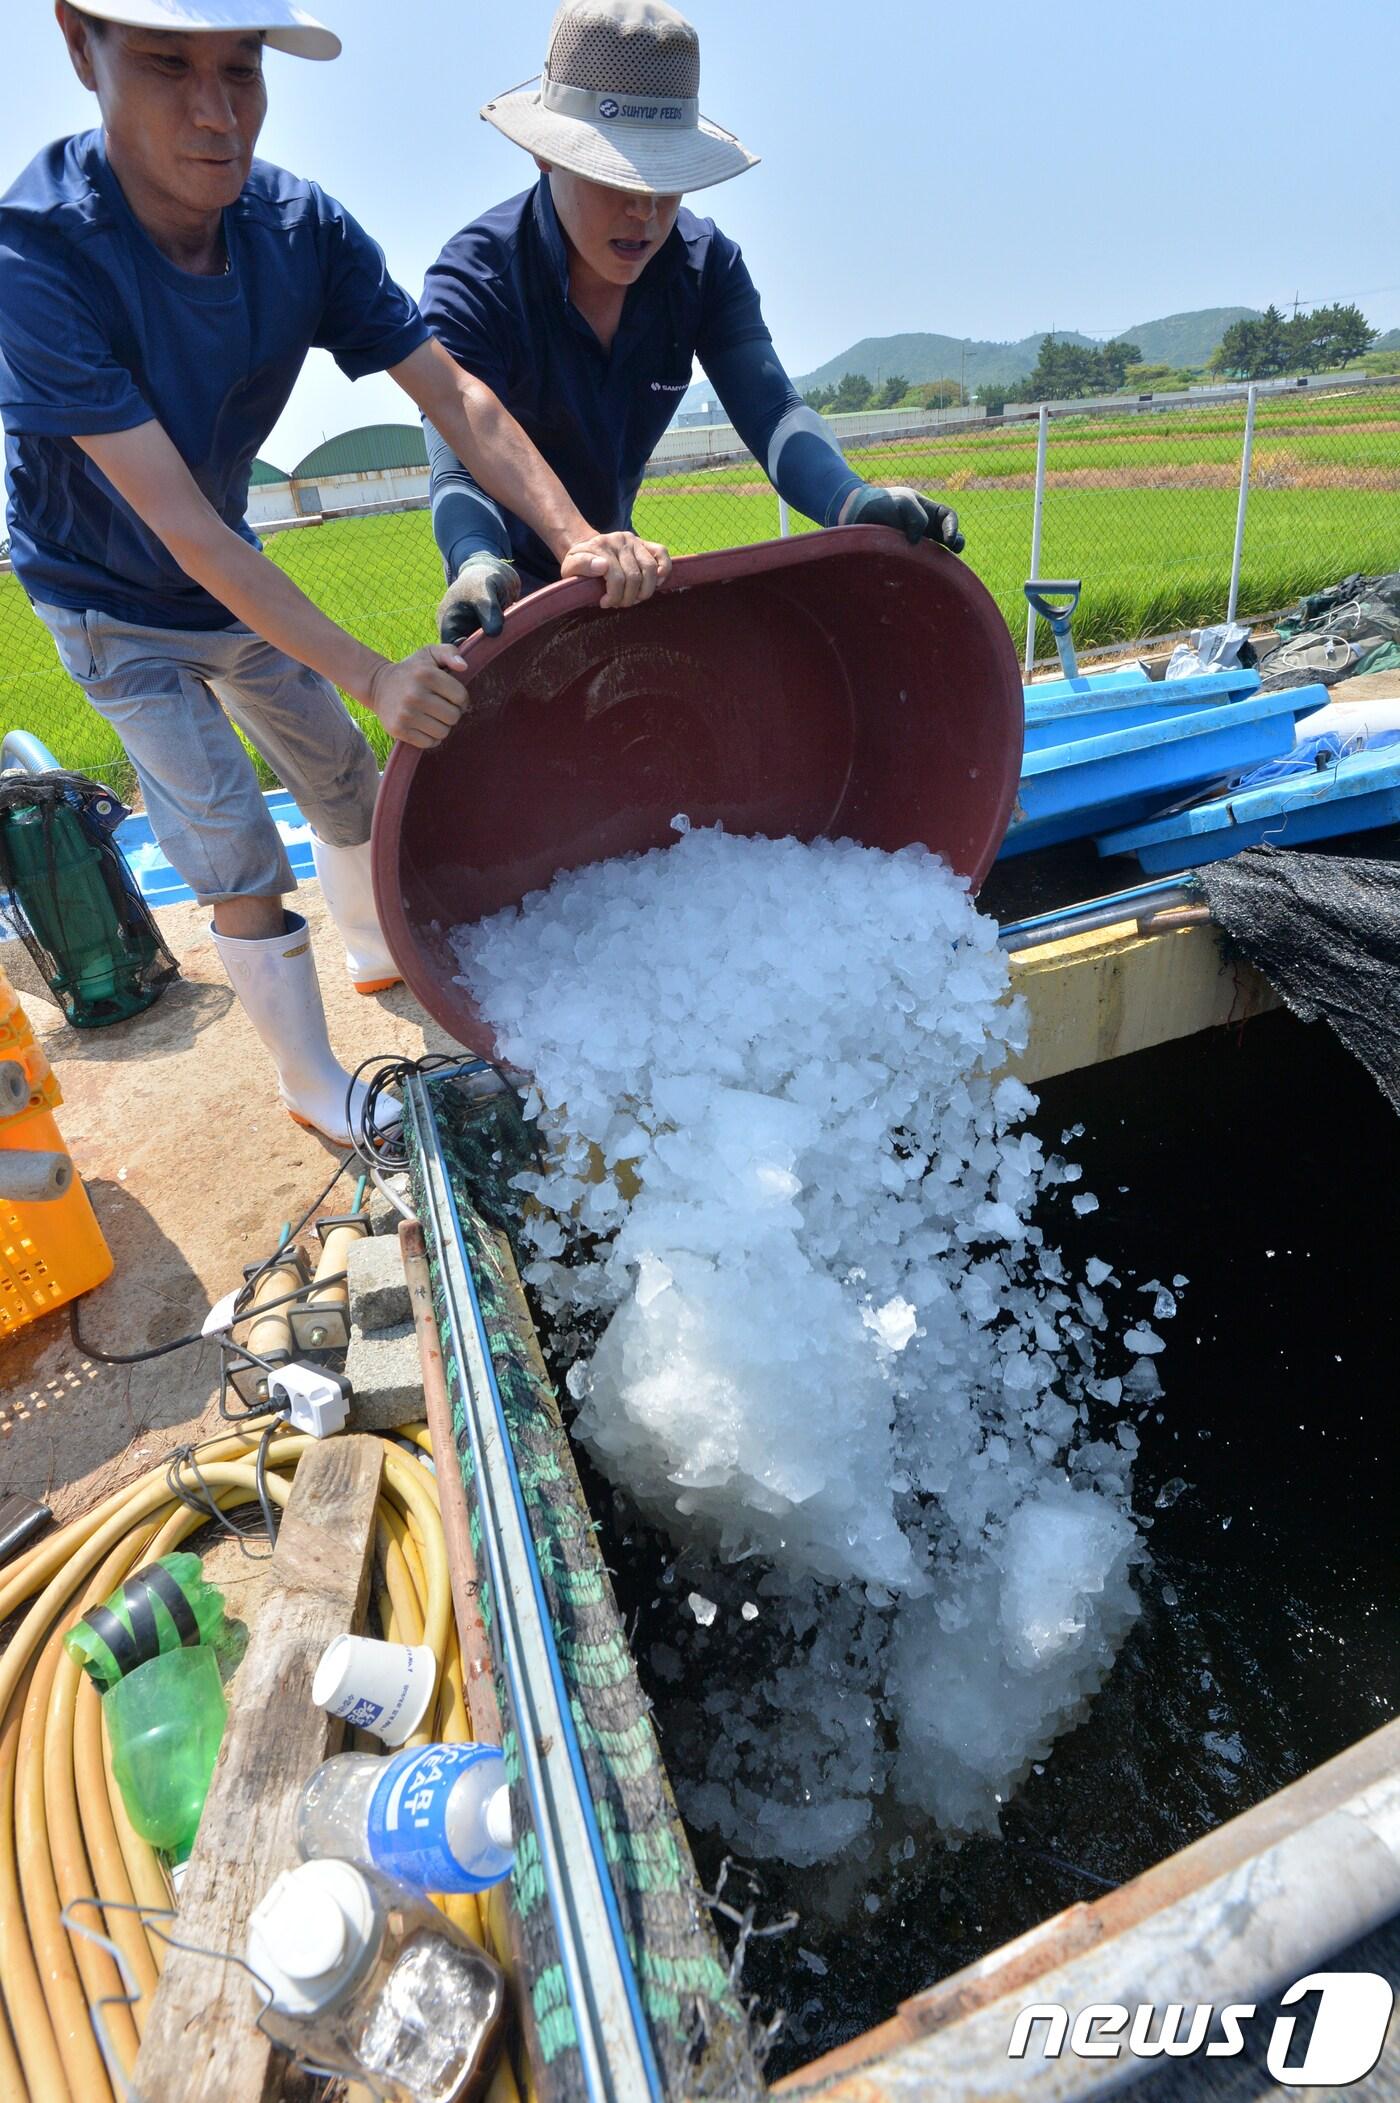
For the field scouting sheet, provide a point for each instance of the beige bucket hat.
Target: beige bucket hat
(619, 102)
(286, 28)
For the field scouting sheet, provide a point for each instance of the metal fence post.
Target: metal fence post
(1244, 502)
(1036, 519)
(784, 519)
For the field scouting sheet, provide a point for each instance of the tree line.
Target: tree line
(1317, 342)
(854, 392)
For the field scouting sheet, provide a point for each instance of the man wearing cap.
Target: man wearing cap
(583, 303)
(159, 292)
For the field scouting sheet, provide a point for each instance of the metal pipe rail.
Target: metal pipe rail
(615, 2047)
(1141, 902)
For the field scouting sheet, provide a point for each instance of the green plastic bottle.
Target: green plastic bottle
(164, 1723)
(164, 1606)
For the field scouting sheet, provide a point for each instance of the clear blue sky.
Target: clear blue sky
(980, 171)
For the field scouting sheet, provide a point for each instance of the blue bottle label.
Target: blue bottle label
(408, 1817)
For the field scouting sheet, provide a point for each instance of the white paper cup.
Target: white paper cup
(384, 1688)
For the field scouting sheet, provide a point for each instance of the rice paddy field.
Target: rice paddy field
(1142, 507)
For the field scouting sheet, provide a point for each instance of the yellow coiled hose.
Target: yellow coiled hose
(64, 1832)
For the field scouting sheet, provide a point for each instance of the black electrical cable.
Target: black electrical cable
(235, 1416)
(383, 1152)
(278, 1255)
(181, 1343)
(242, 1352)
(269, 1510)
(205, 1503)
(383, 1149)
(286, 1299)
(186, 1343)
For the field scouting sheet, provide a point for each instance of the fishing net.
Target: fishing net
(1325, 931)
(1350, 628)
(67, 892)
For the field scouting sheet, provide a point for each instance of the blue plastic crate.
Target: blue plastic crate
(1061, 711)
(1358, 794)
(159, 883)
(1119, 777)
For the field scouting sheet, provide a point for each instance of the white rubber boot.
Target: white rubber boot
(275, 980)
(345, 875)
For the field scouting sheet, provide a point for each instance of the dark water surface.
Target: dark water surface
(1265, 1166)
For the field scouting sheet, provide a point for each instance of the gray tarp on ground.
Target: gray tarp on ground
(1325, 931)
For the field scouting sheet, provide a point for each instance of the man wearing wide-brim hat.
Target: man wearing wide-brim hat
(159, 292)
(583, 303)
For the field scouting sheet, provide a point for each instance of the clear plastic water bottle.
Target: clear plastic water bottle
(369, 1980)
(436, 1817)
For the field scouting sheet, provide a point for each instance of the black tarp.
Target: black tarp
(1325, 931)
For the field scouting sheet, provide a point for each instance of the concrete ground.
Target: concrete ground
(192, 1166)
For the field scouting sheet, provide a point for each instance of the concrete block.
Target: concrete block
(386, 1374)
(378, 1288)
(384, 1217)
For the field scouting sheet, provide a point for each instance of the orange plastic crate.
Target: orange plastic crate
(48, 1253)
(17, 1041)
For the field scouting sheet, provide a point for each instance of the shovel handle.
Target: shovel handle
(1038, 593)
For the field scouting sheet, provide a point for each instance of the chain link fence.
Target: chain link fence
(1140, 500)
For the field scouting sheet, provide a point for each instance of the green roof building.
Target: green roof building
(374, 450)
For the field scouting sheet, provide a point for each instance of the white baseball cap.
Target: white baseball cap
(619, 102)
(286, 27)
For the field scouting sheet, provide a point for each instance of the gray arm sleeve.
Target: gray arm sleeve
(465, 519)
(797, 447)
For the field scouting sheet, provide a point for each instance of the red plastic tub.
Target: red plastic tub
(840, 683)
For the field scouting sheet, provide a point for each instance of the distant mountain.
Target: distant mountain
(926, 357)
(1389, 341)
(1185, 339)
(918, 357)
(1175, 339)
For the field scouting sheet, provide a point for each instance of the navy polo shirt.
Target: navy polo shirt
(498, 299)
(100, 332)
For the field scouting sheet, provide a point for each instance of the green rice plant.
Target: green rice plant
(1153, 559)
(37, 695)
(380, 578)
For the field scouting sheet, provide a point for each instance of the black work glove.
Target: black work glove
(477, 598)
(917, 517)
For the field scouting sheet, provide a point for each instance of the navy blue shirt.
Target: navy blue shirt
(100, 332)
(498, 299)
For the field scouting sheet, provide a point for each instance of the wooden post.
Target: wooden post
(478, 1680)
(202, 2039)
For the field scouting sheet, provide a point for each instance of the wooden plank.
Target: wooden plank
(1099, 996)
(479, 1683)
(202, 2039)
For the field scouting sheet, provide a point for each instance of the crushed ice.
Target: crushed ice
(789, 1189)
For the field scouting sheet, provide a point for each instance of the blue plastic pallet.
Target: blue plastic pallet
(158, 881)
(1059, 711)
(1358, 794)
(1119, 777)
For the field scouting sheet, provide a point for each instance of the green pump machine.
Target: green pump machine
(68, 893)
